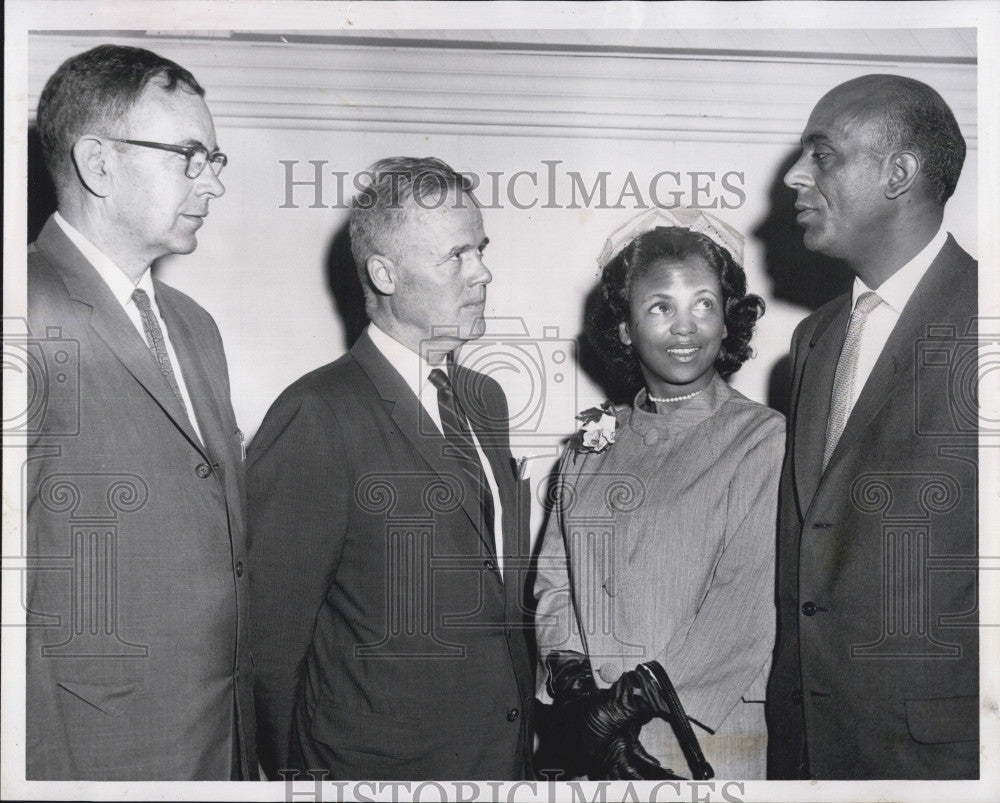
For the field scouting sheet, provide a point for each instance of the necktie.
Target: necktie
(154, 335)
(847, 367)
(456, 431)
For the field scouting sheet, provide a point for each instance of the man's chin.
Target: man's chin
(477, 329)
(815, 240)
(184, 245)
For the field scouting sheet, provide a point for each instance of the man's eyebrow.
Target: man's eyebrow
(814, 138)
(190, 142)
(458, 249)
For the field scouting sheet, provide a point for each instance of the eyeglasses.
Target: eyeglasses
(197, 155)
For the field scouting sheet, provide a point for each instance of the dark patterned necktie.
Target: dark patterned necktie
(847, 368)
(456, 430)
(154, 336)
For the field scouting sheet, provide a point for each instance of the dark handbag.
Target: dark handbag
(701, 770)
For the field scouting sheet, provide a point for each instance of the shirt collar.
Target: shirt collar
(897, 289)
(414, 369)
(116, 280)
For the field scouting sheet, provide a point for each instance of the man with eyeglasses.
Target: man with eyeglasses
(137, 586)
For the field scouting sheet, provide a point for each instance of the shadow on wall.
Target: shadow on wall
(41, 190)
(591, 362)
(344, 286)
(799, 276)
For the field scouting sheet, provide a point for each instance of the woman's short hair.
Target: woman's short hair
(673, 243)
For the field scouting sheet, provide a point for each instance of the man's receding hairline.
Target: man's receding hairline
(861, 111)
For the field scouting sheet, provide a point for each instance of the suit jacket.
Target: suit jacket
(137, 589)
(386, 642)
(876, 667)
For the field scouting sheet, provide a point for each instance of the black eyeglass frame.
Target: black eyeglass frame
(188, 151)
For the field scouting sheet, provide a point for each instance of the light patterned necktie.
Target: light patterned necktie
(154, 336)
(847, 368)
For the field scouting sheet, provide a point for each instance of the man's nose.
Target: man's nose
(209, 184)
(481, 274)
(797, 175)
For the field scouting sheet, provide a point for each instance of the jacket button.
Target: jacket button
(808, 608)
(512, 715)
(239, 568)
(797, 696)
(203, 470)
(489, 564)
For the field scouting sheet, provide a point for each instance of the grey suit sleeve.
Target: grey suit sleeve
(555, 614)
(728, 646)
(297, 491)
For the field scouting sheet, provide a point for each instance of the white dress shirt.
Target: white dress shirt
(122, 288)
(894, 292)
(416, 372)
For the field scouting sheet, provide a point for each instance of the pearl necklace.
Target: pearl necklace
(653, 398)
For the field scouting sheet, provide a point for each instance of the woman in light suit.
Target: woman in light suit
(659, 553)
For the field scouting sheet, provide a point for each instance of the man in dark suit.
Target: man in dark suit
(137, 598)
(876, 668)
(388, 527)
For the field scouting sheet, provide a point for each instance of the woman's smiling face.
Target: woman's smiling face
(676, 325)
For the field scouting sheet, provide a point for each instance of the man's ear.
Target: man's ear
(904, 167)
(92, 158)
(623, 333)
(381, 273)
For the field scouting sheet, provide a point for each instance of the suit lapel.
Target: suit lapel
(895, 367)
(409, 416)
(110, 322)
(197, 378)
(813, 409)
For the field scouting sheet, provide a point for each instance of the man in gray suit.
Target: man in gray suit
(389, 530)
(877, 663)
(137, 599)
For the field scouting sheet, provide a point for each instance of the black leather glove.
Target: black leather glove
(627, 760)
(603, 724)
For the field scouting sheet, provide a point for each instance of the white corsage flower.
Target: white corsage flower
(598, 430)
